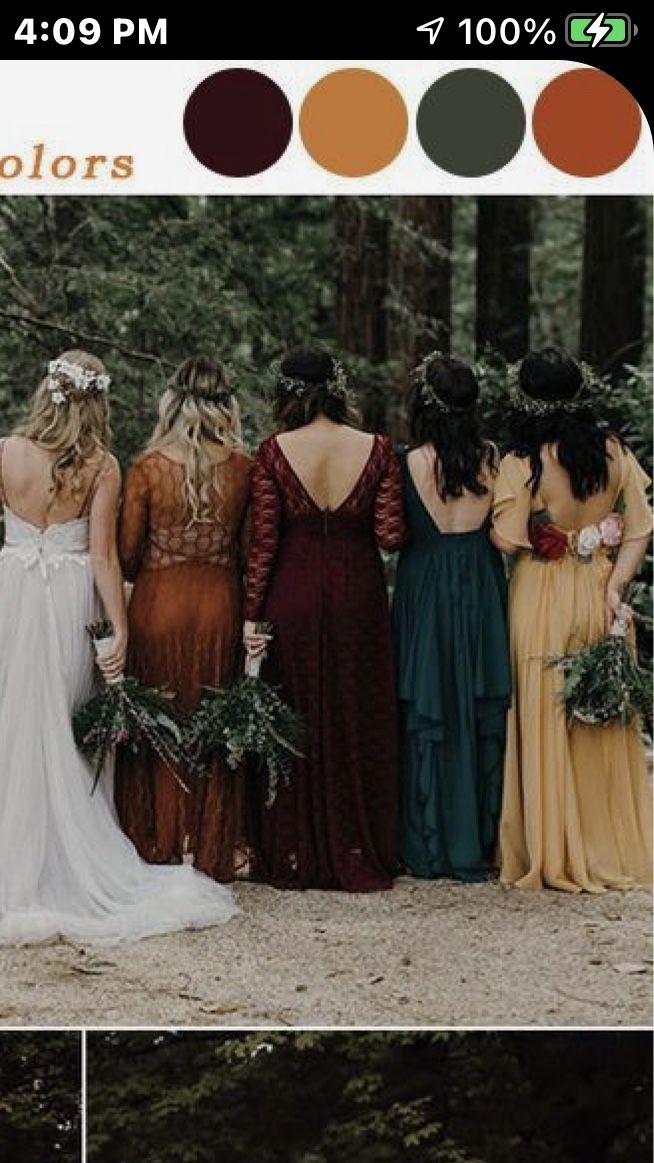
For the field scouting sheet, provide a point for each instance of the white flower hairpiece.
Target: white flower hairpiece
(533, 407)
(336, 385)
(428, 393)
(82, 379)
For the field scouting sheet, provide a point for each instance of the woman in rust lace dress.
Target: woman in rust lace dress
(182, 529)
(325, 496)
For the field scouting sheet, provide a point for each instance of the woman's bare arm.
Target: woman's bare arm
(106, 566)
(627, 564)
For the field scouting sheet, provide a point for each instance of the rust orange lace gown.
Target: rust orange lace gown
(185, 620)
(318, 577)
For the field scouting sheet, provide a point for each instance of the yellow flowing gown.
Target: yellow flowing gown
(576, 812)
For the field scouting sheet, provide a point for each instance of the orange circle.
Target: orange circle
(586, 123)
(353, 122)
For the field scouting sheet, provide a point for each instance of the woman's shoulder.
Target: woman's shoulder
(515, 468)
(267, 448)
(144, 460)
(240, 462)
(385, 445)
(106, 463)
(514, 460)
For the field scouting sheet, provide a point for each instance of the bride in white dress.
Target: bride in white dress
(66, 868)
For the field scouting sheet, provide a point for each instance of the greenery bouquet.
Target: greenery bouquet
(127, 714)
(604, 684)
(242, 720)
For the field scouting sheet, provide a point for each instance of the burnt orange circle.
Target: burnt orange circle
(586, 123)
(353, 122)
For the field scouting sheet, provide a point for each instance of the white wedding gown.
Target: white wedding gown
(66, 868)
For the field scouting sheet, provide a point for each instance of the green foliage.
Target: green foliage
(246, 719)
(145, 282)
(40, 1097)
(426, 1097)
(127, 714)
(603, 684)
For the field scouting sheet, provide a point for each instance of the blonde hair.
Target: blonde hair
(76, 428)
(198, 408)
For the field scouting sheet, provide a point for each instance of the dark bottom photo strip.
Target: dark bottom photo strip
(40, 1097)
(316, 1097)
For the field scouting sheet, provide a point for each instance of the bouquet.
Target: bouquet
(247, 718)
(127, 714)
(604, 684)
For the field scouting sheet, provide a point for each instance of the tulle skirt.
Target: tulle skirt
(66, 868)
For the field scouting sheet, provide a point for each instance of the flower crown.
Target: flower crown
(531, 407)
(428, 393)
(83, 380)
(336, 385)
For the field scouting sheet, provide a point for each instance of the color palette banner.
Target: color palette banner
(324, 127)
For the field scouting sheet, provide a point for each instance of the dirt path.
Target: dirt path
(438, 954)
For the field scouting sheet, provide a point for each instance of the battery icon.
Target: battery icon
(599, 29)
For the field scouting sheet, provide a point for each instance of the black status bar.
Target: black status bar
(535, 36)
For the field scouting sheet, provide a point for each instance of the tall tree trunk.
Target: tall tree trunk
(362, 233)
(421, 278)
(503, 286)
(613, 285)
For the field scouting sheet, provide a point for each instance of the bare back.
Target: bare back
(461, 514)
(328, 459)
(555, 492)
(28, 487)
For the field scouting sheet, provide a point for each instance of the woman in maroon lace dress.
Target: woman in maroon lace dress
(325, 497)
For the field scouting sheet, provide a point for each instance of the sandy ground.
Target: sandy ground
(425, 953)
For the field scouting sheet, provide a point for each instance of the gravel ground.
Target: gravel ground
(424, 954)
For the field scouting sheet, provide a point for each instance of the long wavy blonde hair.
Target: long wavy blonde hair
(196, 410)
(75, 429)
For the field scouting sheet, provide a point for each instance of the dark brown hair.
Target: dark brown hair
(552, 376)
(442, 411)
(313, 369)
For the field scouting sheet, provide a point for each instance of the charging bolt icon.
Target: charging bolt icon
(599, 29)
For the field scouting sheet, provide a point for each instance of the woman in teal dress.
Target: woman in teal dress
(449, 616)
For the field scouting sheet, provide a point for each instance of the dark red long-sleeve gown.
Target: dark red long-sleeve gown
(318, 577)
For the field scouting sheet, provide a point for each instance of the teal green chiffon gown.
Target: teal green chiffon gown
(449, 617)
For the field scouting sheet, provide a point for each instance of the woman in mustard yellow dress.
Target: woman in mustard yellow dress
(576, 810)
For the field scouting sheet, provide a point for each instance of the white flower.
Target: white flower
(589, 539)
(84, 379)
(58, 397)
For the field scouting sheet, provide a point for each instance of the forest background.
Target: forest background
(317, 1097)
(144, 282)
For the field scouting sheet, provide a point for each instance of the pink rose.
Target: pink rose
(612, 528)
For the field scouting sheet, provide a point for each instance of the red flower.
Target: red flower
(549, 542)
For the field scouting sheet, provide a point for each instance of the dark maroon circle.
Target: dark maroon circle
(238, 123)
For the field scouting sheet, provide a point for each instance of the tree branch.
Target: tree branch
(82, 337)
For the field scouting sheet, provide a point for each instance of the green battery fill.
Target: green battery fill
(577, 30)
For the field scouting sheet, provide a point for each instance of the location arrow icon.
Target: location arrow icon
(433, 27)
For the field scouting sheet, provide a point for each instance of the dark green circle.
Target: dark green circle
(471, 122)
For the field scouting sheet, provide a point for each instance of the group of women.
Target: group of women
(435, 739)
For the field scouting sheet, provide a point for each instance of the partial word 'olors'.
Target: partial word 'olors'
(39, 163)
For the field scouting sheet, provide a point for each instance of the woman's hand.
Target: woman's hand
(615, 607)
(254, 643)
(112, 663)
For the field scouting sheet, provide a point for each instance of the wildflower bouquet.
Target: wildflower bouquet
(245, 719)
(127, 714)
(604, 684)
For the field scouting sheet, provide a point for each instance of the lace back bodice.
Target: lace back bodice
(155, 531)
(46, 548)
